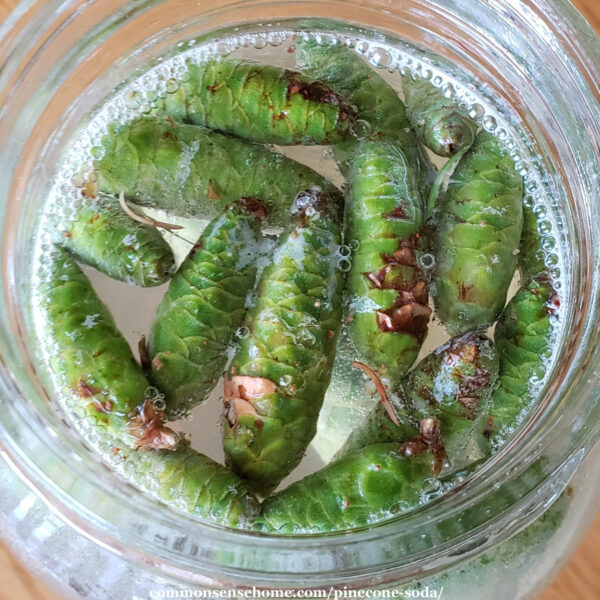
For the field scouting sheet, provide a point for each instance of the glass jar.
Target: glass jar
(97, 536)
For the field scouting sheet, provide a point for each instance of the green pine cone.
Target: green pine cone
(260, 103)
(524, 341)
(372, 485)
(206, 302)
(479, 228)
(278, 378)
(376, 101)
(531, 253)
(190, 171)
(453, 384)
(94, 363)
(388, 293)
(437, 120)
(191, 482)
(103, 236)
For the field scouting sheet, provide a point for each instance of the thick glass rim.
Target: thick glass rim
(425, 541)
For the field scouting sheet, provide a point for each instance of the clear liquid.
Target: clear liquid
(350, 395)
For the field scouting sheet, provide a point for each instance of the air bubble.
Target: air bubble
(437, 81)
(448, 91)
(548, 243)
(242, 332)
(370, 388)
(529, 202)
(361, 129)
(490, 123)
(555, 273)
(544, 227)
(223, 49)
(426, 261)
(344, 265)
(132, 100)
(344, 251)
(260, 43)
(476, 111)
(362, 47)
(285, 380)
(552, 260)
(310, 211)
(78, 180)
(522, 168)
(531, 187)
(354, 244)
(540, 211)
(172, 86)
(276, 40)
